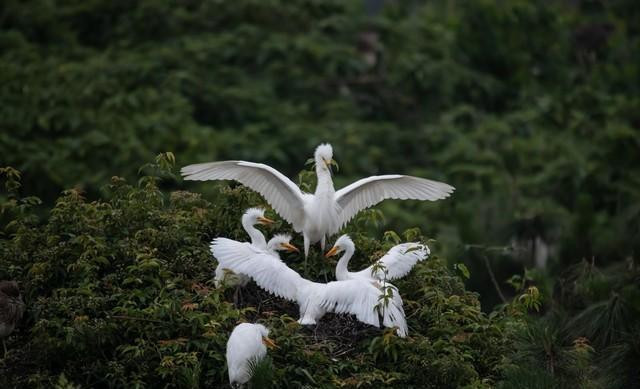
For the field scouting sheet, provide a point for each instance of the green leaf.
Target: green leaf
(462, 268)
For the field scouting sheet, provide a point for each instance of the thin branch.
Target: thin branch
(122, 317)
(493, 279)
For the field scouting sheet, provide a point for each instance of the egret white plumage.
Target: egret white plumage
(325, 212)
(279, 242)
(396, 263)
(358, 297)
(247, 343)
(250, 218)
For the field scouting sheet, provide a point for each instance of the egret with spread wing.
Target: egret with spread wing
(325, 212)
(279, 242)
(250, 218)
(247, 344)
(396, 263)
(358, 297)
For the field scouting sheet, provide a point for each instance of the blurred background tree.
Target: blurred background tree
(529, 108)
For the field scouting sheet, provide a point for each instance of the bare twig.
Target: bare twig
(122, 317)
(493, 279)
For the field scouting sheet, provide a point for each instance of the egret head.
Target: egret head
(264, 332)
(324, 157)
(253, 216)
(281, 242)
(342, 244)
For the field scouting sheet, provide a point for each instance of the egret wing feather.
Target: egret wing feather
(280, 192)
(393, 314)
(268, 271)
(354, 297)
(369, 191)
(398, 261)
(360, 298)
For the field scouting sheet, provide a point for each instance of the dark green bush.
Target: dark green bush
(529, 108)
(119, 294)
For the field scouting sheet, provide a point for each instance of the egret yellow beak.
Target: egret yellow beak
(329, 163)
(332, 162)
(264, 220)
(290, 248)
(332, 252)
(269, 343)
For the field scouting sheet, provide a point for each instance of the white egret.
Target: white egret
(396, 263)
(247, 344)
(358, 297)
(250, 218)
(279, 242)
(11, 309)
(325, 212)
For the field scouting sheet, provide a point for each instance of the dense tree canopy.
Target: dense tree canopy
(528, 108)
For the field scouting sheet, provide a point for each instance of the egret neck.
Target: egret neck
(257, 238)
(324, 212)
(342, 270)
(325, 183)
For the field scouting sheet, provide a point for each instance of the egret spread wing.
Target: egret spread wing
(352, 296)
(362, 299)
(369, 191)
(398, 261)
(269, 272)
(279, 191)
(394, 312)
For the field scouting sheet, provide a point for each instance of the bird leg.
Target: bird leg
(322, 241)
(306, 252)
(307, 243)
(237, 296)
(4, 345)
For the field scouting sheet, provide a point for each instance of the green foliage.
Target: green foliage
(588, 339)
(545, 356)
(118, 291)
(527, 107)
(119, 294)
(261, 373)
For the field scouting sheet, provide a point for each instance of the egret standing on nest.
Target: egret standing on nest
(325, 212)
(247, 344)
(396, 263)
